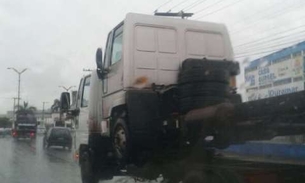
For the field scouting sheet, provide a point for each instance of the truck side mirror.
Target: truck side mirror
(64, 101)
(101, 71)
(99, 58)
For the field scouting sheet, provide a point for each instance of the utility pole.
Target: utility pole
(19, 80)
(66, 88)
(43, 103)
(14, 106)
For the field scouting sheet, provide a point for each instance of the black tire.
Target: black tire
(204, 75)
(194, 177)
(232, 67)
(204, 89)
(121, 146)
(88, 173)
(235, 98)
(187, 104)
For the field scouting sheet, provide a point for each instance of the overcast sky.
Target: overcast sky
(56, 39)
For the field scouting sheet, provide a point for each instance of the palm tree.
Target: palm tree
(26, 108)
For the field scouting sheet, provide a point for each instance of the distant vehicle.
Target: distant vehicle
(2, 132)
(7, 131)
(58, 136)
(25, 125)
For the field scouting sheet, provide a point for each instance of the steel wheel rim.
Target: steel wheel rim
(120, 141)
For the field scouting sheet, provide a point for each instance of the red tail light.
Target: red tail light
(76, 156)
(14, 133)
(32, 134)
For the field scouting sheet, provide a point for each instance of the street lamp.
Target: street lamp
(43, 103)
(65, 88)
(19, 75)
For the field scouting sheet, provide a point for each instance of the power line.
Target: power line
(272, 46)
(251, 15)
(264, 38)
(258, 53)
(262, 52)
(182, 2)
(268, 16)
(219, 9)
(254, 13)
(164, 4)
(274, 40)
(276, 33)
(194, 4)
(208, 6)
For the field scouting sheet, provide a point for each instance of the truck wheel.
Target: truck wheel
(121, 140)
(88, 174)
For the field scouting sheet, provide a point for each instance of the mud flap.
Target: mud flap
(143, 117)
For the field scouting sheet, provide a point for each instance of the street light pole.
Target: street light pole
(65, 88)
(43, 103)
(19, 80)
(14, 107)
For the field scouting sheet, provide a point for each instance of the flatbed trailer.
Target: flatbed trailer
(236, 124)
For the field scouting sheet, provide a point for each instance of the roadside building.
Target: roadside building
(279, 73)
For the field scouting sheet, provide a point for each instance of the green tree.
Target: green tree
(5, 122)
(26, 108)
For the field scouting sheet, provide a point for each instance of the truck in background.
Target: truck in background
(25, 125)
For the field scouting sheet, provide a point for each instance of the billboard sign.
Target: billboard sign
(277, 78)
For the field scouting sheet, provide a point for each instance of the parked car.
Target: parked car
(2, 132)
(58, 136)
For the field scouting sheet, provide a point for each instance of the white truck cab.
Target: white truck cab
(146, 49)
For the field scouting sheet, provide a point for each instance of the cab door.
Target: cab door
(113, 62)
(82, 104)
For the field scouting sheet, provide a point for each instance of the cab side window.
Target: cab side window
(86, 90)
(117, 45)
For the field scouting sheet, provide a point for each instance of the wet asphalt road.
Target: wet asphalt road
(25, 161)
